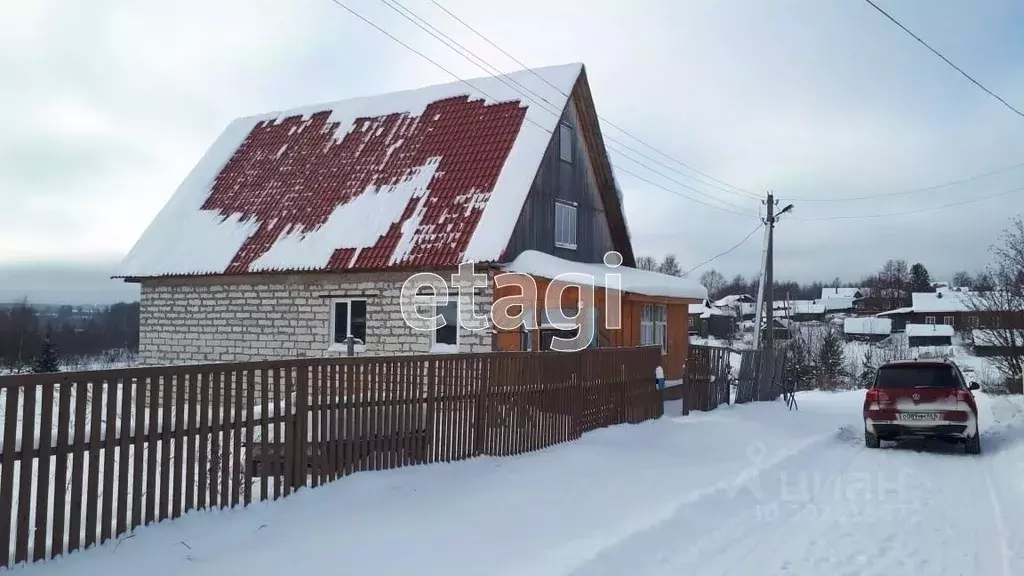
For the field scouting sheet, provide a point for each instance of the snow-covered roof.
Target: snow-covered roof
(631, 280)
(946, 301)
(867, 325)
(919, 330)
(993, 337)
(837, 303)
(707, 310)
(424, 178)
(734, 299)
(896, 311)
(806, 307)
(840, 292)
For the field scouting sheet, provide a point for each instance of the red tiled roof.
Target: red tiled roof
(372, 187)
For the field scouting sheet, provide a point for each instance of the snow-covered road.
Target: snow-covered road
(740, 490)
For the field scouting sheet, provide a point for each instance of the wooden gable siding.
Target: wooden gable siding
(677, 332)
(574, 182)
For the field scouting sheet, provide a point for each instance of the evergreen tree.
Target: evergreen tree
(920, 279)
(869, 369)
(829, 365)
(47, 360)
(799, 373)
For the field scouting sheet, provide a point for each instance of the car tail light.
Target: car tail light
(966, 397)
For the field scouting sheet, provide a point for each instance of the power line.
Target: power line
(542, 128)
(717, 256)
(946, 60)
(602, 118)
(918, 211)
(913, 191)
(537, 99)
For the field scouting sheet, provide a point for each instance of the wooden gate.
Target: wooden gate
(706, 378)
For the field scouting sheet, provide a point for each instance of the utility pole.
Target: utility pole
(768, 273)
(769, 279)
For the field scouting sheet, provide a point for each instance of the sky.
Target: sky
(109, 105)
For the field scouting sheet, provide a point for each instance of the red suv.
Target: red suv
(918, 398)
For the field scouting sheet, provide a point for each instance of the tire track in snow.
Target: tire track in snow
(997, 513)
(716, 522)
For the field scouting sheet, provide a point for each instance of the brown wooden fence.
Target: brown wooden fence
(89, 456)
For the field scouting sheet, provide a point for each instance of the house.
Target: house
(960, 309)
(924, 335)
(302, 232)
(878, 300)
(869, 329)
(705, 319)
(838, 300)
(742, 306)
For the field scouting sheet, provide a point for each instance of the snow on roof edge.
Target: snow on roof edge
(633, 280)
(920, 330)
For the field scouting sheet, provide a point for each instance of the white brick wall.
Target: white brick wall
(186, 321)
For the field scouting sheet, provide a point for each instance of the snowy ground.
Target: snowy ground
(740, 490)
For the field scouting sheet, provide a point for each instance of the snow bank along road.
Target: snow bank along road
(740, 490)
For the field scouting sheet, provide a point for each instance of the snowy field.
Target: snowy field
(741, 490)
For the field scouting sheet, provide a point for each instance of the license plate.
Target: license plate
(918, 416)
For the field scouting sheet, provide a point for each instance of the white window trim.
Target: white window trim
(575, 223)
(951, 320)
(929, 319)
(342, 347)
(458, 329)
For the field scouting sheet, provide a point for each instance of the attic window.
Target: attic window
(565, 226)
(565, 139)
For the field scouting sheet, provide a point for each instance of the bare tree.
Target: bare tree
(670, 265)
(962, 279)
(714, 281)
(1005, 300)
(647, 263)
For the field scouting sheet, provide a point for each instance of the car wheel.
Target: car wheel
(973, 444)
(871, 441)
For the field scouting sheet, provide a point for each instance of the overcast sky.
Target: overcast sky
(109, 104)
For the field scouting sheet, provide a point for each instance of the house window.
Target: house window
(348, 319)
(929, 319)
(995, 321)
(972, 321)
(690, 321)
(653, 326)
(447, 335)
(565, 225)
(565, 142)
(947, 320)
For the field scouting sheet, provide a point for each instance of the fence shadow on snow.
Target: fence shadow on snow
(89, 456)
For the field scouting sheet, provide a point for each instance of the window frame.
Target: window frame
(949, 320)
(929, 320)
(566, 137)
(973, 322)
(332, 325)
(654, 327)
(437, 305)
(570, 239)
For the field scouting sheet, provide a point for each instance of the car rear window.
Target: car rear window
(931, 376)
